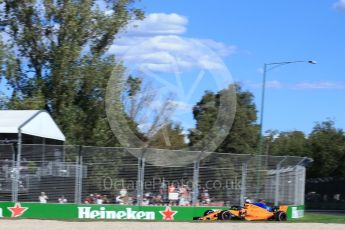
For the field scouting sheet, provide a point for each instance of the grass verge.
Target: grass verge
(320, 218)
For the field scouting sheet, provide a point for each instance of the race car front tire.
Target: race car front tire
(224, 215)
(280, 216)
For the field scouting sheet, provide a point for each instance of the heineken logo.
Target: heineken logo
(102, 213)
(168, 214)
(16, 211)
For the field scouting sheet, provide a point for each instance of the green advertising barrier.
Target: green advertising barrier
(97, 212)
(111, 212)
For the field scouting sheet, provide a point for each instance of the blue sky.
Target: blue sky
(192, 46)
(246, 34)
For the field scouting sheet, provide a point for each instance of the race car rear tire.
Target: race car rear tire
(207, 212)
(280, 216)
(224, 215)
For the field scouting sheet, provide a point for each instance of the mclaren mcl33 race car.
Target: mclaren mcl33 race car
(251, 212)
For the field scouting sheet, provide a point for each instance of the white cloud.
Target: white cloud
(274, 84)
(320, 85)
(158, 23)
(219, 48)
(340, 5)
(306, 85)
(157, 44)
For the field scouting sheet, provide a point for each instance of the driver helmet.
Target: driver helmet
(248, 201)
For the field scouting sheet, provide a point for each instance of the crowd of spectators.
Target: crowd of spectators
(97, 199)
(168, 194)
(171, 194)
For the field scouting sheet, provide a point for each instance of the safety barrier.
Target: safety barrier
(112, 212)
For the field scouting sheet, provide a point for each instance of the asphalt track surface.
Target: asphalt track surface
(117, 225)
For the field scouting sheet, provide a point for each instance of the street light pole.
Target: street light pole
(267, 67)
(263, 92)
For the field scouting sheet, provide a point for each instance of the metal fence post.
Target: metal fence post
(13, 175)
(302, 184)
(78, 176)
(276, 193)
(16, 168)
(277, 183)
(297, 195)
(142, 180)
(299, 183)
(81, 172)
(243, 183)
(76, 179)
(141, 175)
(195, 182)
(138, 181)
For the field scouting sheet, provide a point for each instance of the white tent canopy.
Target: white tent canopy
(32, 122)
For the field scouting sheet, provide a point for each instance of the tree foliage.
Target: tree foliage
(287, 143)
(243, 135)
(325, 145)
(61, 61)
(169, 136)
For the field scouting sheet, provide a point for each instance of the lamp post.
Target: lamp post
(268, 67)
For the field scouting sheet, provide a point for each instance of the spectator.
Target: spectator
(157, 200)
(205, 197)
(163, 191)
(99, 199)
(43, 198)
(123, 192)
(62, 200)
(122, 198)
(184, 195)
(89, 199)
(146, 201)
(172, 194)
(94, 198)
(105, 199)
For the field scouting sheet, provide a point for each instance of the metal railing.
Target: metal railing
(85, 174)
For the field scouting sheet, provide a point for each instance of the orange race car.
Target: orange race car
(255, 211)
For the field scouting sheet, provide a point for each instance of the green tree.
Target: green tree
(205, 114)
(293, 143)
(169, 136)
(61, 60)
(327, 146)
(8, 67)
(243, 135)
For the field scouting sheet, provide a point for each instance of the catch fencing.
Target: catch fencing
(86, 174)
